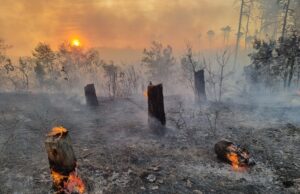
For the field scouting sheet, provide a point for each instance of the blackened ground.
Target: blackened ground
(118, 153)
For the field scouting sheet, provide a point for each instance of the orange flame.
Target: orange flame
(68, 184)
(235, 163)
(233, 158)
(57, 178)
(74, 184)
(145, 93)
(57, 131)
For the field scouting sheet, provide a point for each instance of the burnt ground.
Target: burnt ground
(118, 153)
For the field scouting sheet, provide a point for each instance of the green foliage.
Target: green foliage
(273, 62)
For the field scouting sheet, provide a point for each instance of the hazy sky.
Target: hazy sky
(119, 27)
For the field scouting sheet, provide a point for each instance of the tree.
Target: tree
(159, 61)
(44, 58)
(3, 48)
(261, 70)
(111, 73)
(25, 67)
(189, 66)
(273, 61)
(226, 33)
(239, 31)
(222, 60)
(288, 54)
(248, 13)
(210, 35)
(286, 7)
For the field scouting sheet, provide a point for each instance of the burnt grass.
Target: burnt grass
(118, 153)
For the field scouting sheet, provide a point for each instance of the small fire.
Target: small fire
(74, 183)
(145, 93)
(68, 184)
(233, 158)
(57, 178)
(57, 131)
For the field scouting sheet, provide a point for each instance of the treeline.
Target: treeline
(69, 67)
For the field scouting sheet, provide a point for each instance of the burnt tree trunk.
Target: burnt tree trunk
(61, 156)
(200, 85)
(221, 149)
(90, 95)
(156, 110)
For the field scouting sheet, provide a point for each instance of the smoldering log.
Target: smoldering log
(200, 85)
(61, 156)
(90, 95)
(225, 148)
(156, 110)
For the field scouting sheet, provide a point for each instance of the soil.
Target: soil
(118, 153)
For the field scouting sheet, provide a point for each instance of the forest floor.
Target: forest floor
(118, 153)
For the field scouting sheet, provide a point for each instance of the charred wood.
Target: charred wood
(90, 95)
(200, 85)
(156, 111)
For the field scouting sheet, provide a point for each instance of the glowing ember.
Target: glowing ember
(145, 93)
(233, 158)
(57, 131)
(68, 184)
(57, 178)
(74, 184)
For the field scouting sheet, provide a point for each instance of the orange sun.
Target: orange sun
(75, 43)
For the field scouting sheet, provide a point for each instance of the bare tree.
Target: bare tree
(111, 73)
(25, 67)
(286, 7)
(239, 31)
(188, 66)
(222, 60)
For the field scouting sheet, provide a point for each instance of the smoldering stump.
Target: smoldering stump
(61, 156)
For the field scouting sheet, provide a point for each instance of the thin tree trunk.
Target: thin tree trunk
(247, 27)
(221, 83)
(238, 33)
(285, 20)
(291, 74)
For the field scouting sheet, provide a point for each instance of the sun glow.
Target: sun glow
(75, 43)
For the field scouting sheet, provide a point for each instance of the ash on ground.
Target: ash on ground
(118, 153)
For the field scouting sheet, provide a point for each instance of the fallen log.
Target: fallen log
(62, 162)
(90, 95)
(156, 110)
(233, 154)
(200, 93)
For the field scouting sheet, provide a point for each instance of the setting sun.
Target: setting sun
(75, 42)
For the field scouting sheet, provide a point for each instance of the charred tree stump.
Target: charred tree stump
(156, 110)
(200, 85)
(233, 154)
(221, 149)
(90, 95)
(61, 156)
